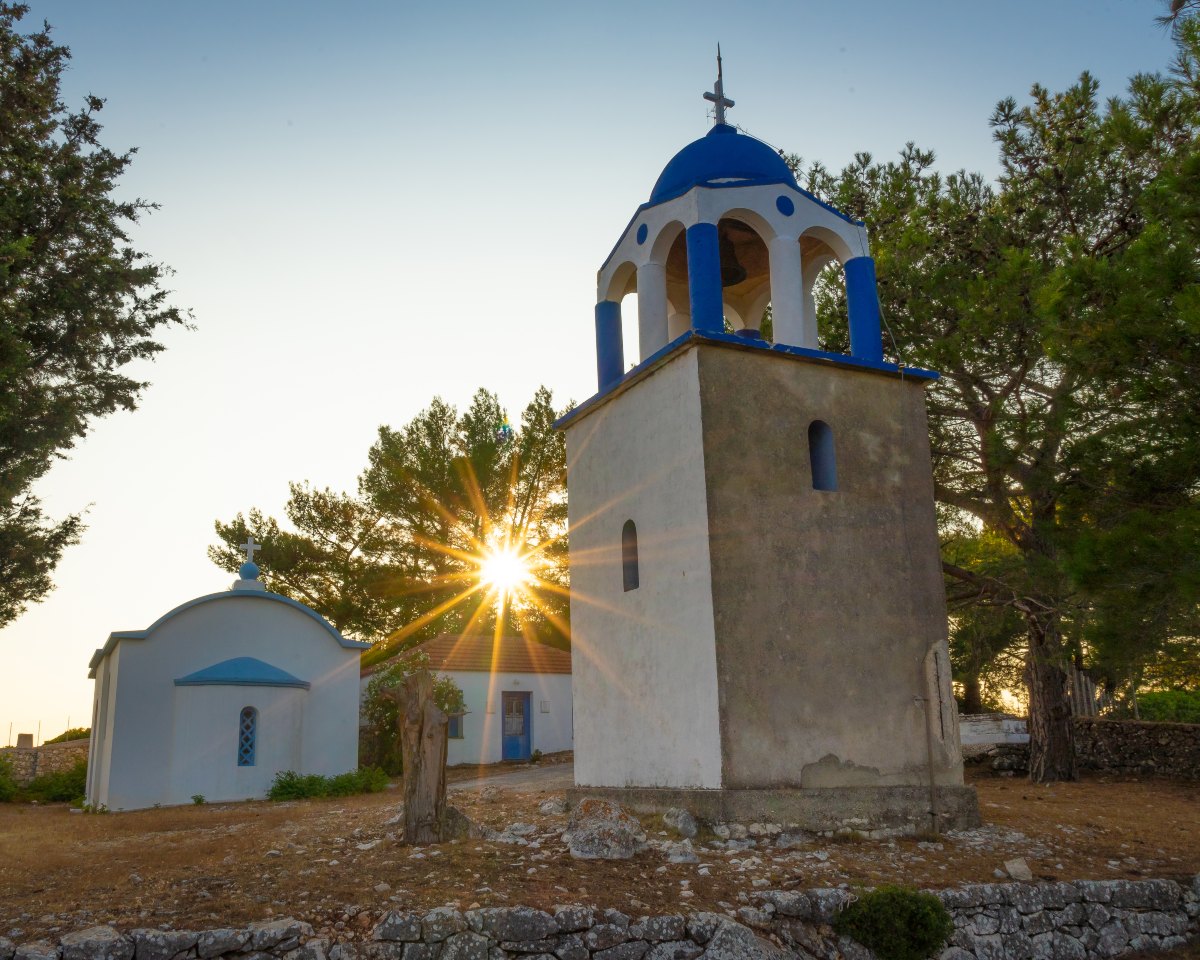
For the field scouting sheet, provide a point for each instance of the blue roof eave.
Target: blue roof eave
(242, 672)
(117, 635)
(779, 349)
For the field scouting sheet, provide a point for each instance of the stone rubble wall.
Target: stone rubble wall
(1123, 747)
(30, 762)
(1010, 921)
(1136, 747)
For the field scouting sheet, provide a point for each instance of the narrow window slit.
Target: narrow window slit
(629, 556)
(821, 456)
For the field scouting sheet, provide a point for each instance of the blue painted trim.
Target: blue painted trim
(830, 207)
(610, 351)
(782, 349)
(866, 335)
(239, 595)
(704, 278)
(242, 672)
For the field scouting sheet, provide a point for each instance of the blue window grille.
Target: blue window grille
(247, 734)
(629, 557)
(454, 729)
(821, 456)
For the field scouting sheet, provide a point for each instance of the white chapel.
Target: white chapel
(219, 695)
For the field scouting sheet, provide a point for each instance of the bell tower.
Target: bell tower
(757, 611)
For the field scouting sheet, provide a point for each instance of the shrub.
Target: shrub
(198, 799)
(71, 733)
(289, 785)
(8, 784)
(1171, 706)
(380, 742)
(62, 786)
(897, 923)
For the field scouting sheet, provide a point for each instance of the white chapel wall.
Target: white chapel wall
(141, 738)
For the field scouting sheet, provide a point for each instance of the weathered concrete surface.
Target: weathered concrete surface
(879, 811)
(815, 644)
(827, 603)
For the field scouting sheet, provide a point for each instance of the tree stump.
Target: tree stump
(423, 729)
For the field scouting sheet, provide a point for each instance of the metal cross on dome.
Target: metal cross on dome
(717, 97)
(250, 547)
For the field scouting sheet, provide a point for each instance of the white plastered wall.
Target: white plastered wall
(138, 741)
(643, 661)
(482, 726)
(204, 740)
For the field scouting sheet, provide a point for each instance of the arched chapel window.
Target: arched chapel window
(821, 456)
(629, 556)
(247, 735)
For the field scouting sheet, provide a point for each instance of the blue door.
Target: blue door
(516, 740)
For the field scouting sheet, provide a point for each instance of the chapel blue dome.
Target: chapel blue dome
(722, 154)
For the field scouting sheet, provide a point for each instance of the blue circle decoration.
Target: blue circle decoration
(248, 571)
(643, 232)
(785, 206)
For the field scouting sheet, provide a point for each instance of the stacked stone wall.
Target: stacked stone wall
(1011, 921)
(1126, 747)
(1130, 746)
(30, 762)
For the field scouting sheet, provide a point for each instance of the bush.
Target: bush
(289, 785)
(72, 733)
(897, 923)
(379, 743)
(61, 787)
(1170, 706)
(8, 784)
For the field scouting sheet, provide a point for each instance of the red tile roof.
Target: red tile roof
(474, 652)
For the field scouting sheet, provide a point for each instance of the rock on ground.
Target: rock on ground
(603, 830)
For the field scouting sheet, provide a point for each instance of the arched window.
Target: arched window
(629, 556)
(247, 735)
(821, 456)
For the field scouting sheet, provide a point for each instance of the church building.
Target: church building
(757, 610)
(219, 695)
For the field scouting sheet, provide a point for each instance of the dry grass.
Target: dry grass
(204, 866)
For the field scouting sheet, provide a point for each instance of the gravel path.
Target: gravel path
(558, 776)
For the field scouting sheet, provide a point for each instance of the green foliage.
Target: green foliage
(1061, 306)
(8, 784)
(77, 302)
(73, 733)
(289, 785)
(897, 923)
(398, 560)
(62, 786)
(381, 746)
(1172, 706)
(198, 799)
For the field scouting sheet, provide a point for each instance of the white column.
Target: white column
(787, 292)
(652, 308)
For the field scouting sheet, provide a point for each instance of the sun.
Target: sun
(504, 570)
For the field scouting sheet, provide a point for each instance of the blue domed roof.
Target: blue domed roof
(722, 155)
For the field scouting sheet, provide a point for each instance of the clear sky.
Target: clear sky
(371, 203)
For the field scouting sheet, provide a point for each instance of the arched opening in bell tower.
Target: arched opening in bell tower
(745, 274)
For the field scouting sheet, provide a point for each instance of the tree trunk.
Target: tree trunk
(423, 742)
(1051, 734)
(972, 695)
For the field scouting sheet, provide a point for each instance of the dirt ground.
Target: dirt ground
(336, 863)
